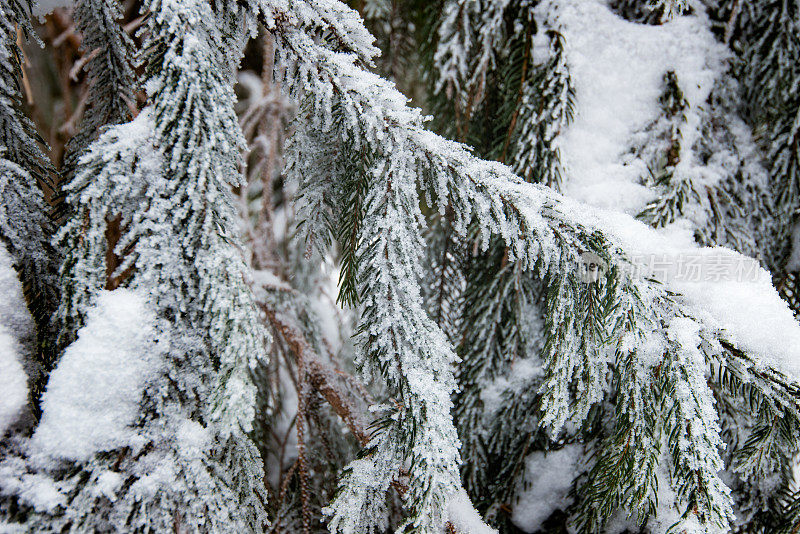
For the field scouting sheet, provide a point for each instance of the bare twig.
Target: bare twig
(26, 83)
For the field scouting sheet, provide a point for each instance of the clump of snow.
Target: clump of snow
(751, 314)
(41, 492)
(522, 373)
(464, 517)
(161, 472)
(45, 7)
(193, 439)
(12, 528)
(93, 396)
(108, 483)
(549, 475)
(14, 313)
(13, 381)
(268, 279)
(669, 517)
(16, 331)
(731, 294)
(621, 523)
(617, 67)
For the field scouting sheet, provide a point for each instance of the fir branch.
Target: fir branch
(108, 50)
(167, 176)
(539, 232)
(495, 304)
(26, 177)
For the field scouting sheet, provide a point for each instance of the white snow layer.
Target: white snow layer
(35, 489)
(549, 475)
(93, 395)
(15, 326)
(617, 67)
(733, 295)
(14, 313)
(464, 517)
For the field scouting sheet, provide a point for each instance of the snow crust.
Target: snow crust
(93, 395)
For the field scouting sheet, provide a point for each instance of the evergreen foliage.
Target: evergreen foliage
(108, 51)
(663, 164)
(495, 321)
(729, 215)
(769, 44)
(166, 176)
(733, 211)
(25, 174)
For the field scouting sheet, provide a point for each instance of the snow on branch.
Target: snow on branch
(344, 105)
(93, 395)
(16, 331)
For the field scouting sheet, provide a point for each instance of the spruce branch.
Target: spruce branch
(26, 179)
(540, 232)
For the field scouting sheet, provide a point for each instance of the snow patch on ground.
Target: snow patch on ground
(549, 475)
(93, 395)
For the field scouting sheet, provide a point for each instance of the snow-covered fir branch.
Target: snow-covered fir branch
(25, 172)
(165, 178)
(527, 354)
(108, 51)
(537, 228)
